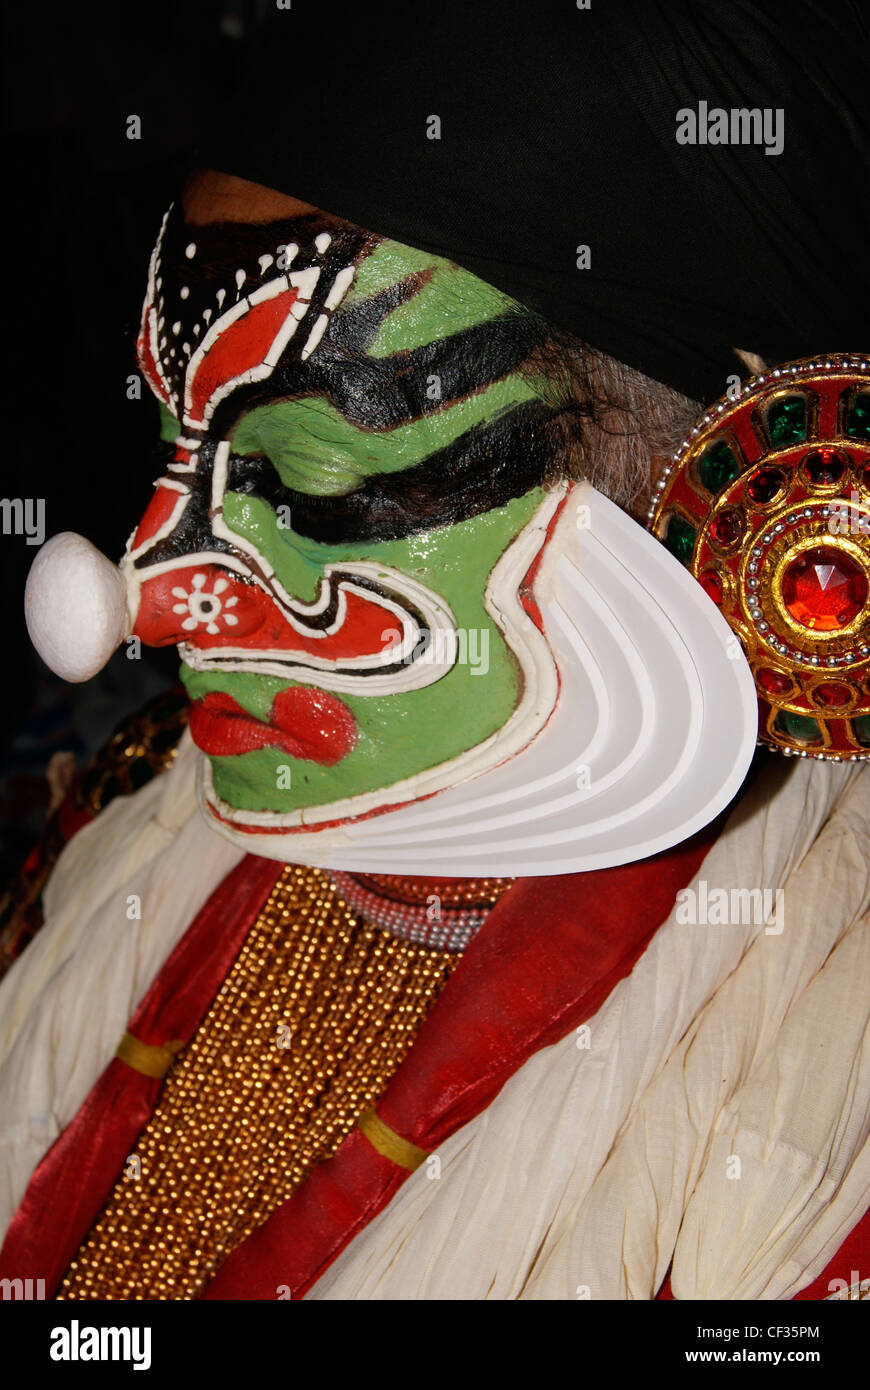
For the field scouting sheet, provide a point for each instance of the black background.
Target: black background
(82, 207)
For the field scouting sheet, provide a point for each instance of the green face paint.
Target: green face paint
(359, 448)
(405, 733)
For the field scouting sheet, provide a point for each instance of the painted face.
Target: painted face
(343, 541)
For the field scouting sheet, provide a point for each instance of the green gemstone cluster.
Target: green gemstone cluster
(787, 421)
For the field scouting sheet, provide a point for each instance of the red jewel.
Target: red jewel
(774, 682)
(865, 476)
(825, 466)
(824, 589)
(765, 484)
(711, 583)
(727, 527)
(832, 694)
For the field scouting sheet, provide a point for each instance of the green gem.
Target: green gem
(679, 538)
(861, 729)
(799, 727)
(140, 771)
(858, 418)
(717, 467)
(787, 420)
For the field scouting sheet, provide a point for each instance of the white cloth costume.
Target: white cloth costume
(719, 1116)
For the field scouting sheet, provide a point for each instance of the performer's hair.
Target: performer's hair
(618, 426)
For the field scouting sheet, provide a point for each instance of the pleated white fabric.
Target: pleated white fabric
(67, 1001)
(801, 1130)
(594, 1166)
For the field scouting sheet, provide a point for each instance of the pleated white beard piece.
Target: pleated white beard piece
(636, 724)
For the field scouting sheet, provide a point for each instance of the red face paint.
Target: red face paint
(305, 723)
(210, 607)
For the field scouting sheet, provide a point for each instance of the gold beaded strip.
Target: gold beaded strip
(463, 892)
(311, 1022)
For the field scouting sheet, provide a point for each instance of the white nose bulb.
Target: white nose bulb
(75, 606)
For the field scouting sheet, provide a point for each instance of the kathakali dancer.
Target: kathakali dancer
(467, 949)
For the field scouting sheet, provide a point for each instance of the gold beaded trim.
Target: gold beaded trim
(311, 1022)
(463, 892)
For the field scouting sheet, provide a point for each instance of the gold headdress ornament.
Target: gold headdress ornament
(768, 504)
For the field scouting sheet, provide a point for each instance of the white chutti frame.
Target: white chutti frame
(652, 735)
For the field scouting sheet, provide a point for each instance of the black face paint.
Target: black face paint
(481, 470)
(373, 392)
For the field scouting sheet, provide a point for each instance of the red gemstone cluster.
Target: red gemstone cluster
(768, 503)
(824, 589)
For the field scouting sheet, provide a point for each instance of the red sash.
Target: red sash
(550, 953)
(74, 1179)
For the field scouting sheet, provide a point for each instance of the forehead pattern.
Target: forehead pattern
(241, 316)
(225, 304)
